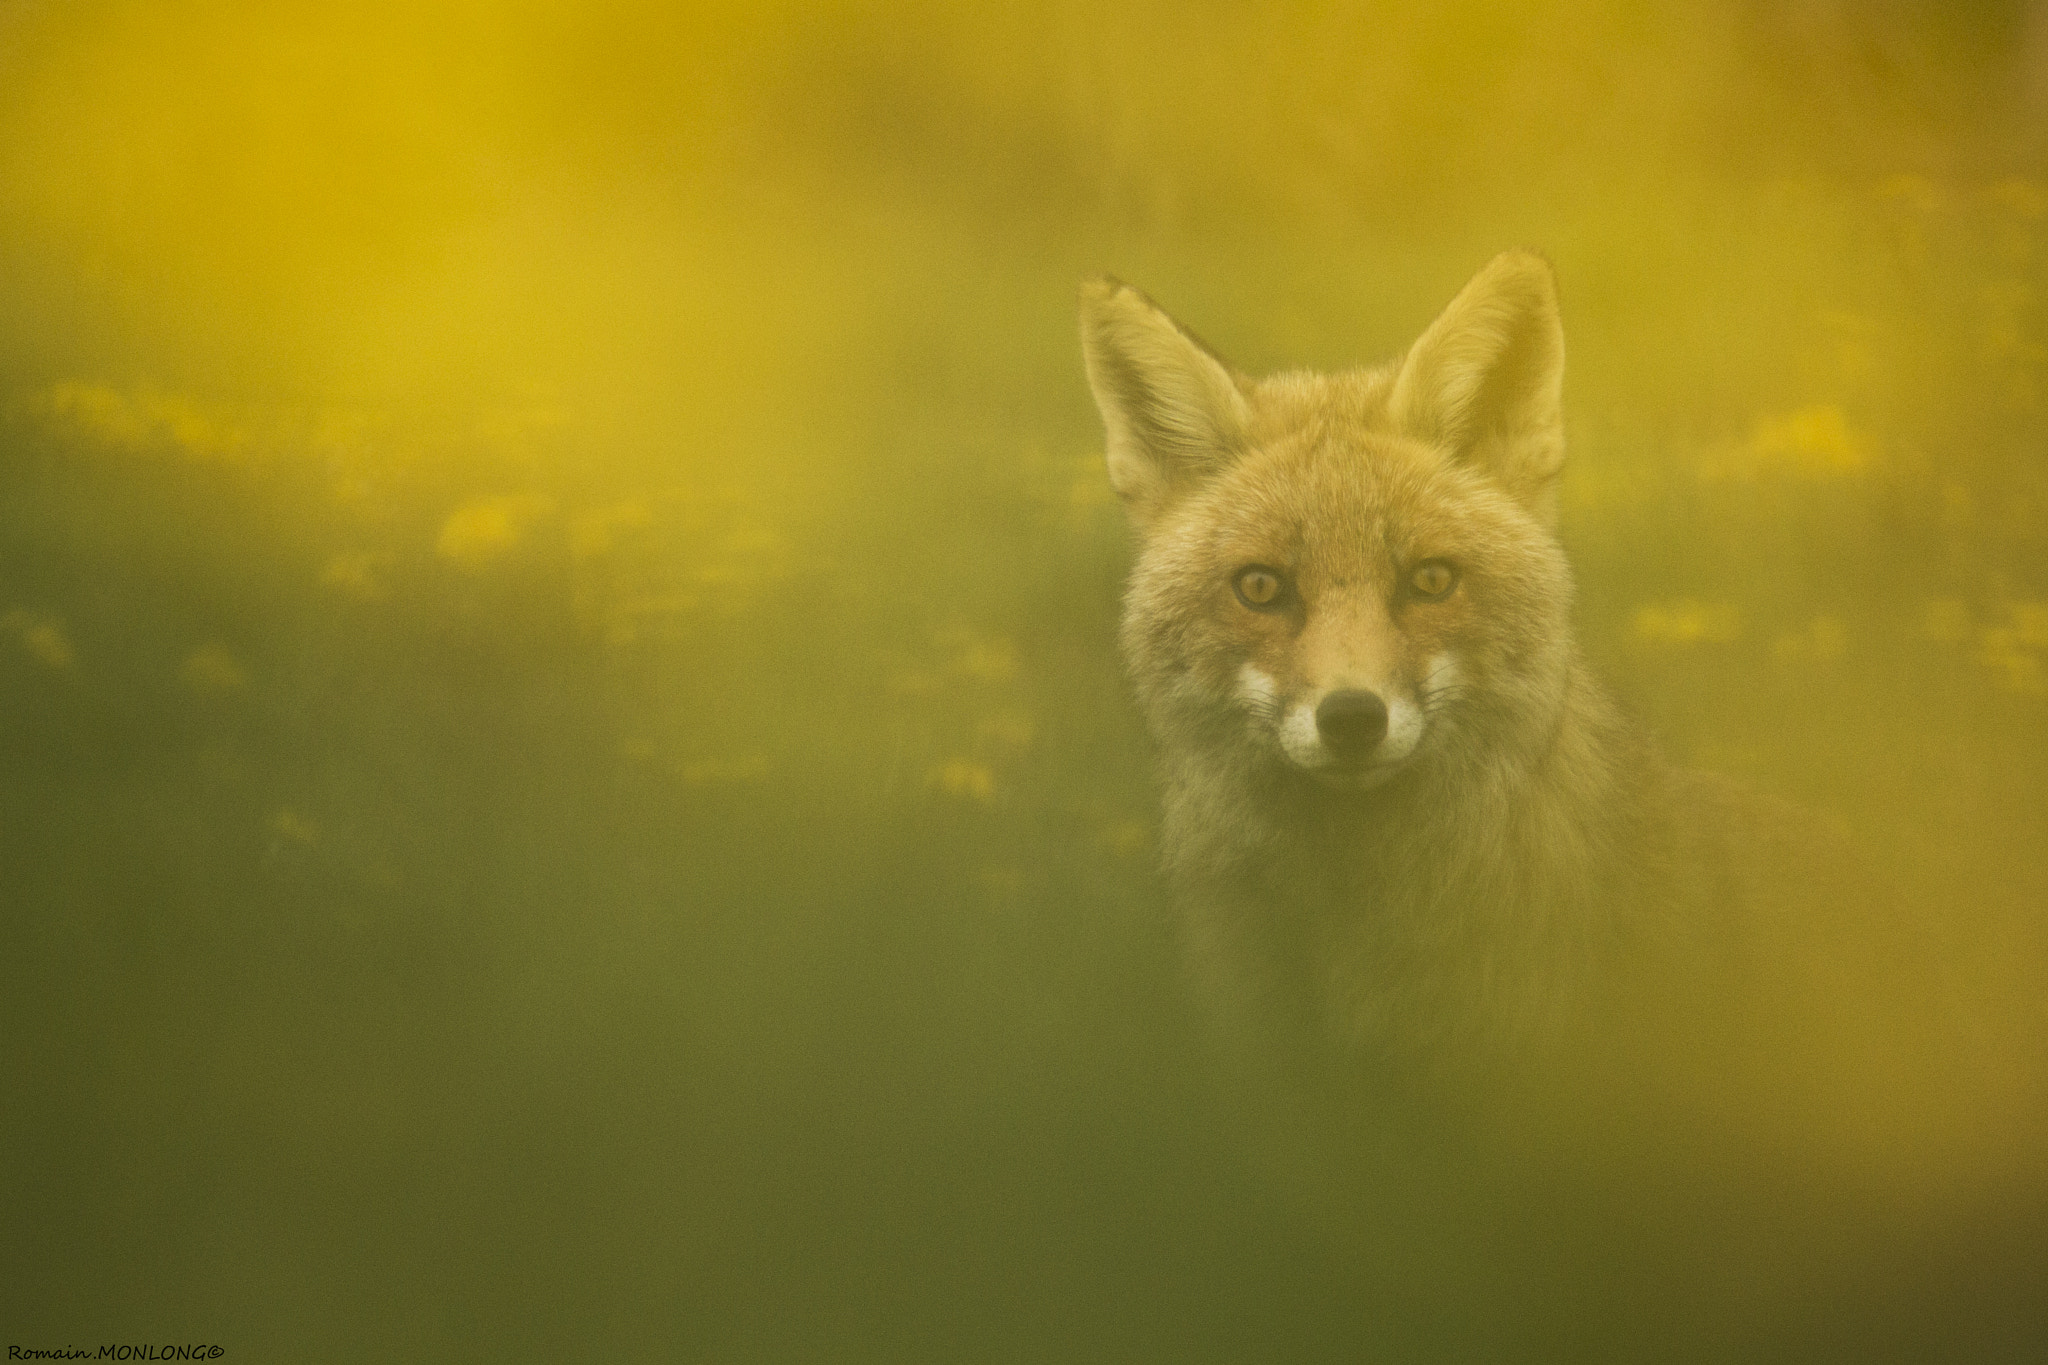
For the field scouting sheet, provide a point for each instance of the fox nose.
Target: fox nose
(1352, 722)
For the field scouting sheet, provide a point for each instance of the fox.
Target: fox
(1396, 797)
(1424, 863)
(1407, 830)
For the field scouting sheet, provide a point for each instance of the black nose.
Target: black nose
(1352, 722)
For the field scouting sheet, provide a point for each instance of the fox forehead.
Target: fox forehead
(1343, 508)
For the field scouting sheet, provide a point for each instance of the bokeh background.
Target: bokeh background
(566, 785)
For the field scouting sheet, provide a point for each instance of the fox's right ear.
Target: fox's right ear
(1173, 411)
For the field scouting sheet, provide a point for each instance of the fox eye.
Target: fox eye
(1433, 579)
(1260, 588)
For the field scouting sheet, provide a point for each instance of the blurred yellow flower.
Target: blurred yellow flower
(42, 637)
(1126, 838)
(478, 533)
(145, 419)
(993, 659)
(965, 779)
(291, 827)
(1813, 440)
(1687, 622)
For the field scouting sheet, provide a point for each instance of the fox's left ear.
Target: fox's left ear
(1487, 380)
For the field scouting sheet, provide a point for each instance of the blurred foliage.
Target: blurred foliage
(565, 762)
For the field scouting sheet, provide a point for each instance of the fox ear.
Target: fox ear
(1487, 380)
(1173, 411)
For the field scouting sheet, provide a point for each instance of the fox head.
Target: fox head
(1347, 576)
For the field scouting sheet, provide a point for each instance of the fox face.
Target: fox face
(1344, 577)
(1336, 601)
